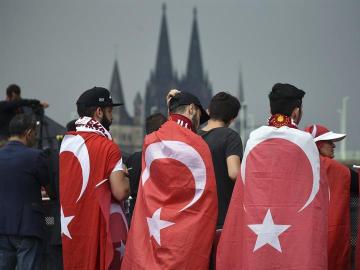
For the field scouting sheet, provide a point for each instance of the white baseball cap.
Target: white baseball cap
(321, 133)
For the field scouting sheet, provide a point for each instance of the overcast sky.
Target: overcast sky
(57, 49)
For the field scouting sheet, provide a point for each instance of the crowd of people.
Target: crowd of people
(198, 199)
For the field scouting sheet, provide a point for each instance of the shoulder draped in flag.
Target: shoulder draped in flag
(339, 231)
(277, 217)
(93, 225)
(173, 225)
(357, 251)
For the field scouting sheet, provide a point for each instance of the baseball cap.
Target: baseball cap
(321, 133)
(96, 96)
(185, 98)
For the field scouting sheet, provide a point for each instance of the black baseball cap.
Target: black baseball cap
(96, 96)
(185, 98)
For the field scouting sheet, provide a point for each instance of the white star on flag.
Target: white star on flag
(268, 232)
(65, 223)
(155, 224)
(121, 249)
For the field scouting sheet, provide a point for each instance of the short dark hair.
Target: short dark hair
(179, 109)
(284, 98)
(70, 126)
(84, 110)
(154, 122)
(224, 107)
(20, 123)
(13, 88)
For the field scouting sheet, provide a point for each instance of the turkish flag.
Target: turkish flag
(175, 215)
(93, 224)
(357, 251)
(339, 248)
(277, 217)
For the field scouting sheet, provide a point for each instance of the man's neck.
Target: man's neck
(182, 120)
(211, 124)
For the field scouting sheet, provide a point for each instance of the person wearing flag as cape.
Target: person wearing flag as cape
(175, 215)
(93, 183)
(342, 181)
(277, 218)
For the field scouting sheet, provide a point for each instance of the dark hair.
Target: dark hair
(224, 107)
(179, 109)
(20, 123)
(284, 98)
(70, 126)
(84, 110)
(154, 122)
(13, 88)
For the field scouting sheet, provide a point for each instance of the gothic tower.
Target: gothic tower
(163, 78)
(243, 117)
(120, 114)
(138, 110)
(195, 81)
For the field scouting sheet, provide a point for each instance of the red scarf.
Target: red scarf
(182, 121)
(280, 120)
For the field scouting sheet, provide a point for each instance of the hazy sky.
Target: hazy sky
(57, 49)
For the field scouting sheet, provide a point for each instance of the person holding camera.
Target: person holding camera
(14, 105)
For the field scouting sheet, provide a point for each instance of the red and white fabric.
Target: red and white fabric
(277, 218)
(339, 230)
(176, 209)
(93, 224)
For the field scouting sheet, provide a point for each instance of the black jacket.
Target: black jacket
(8, 109)
(23, 171)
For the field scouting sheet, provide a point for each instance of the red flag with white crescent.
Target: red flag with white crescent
(175, 215)
(357, 251)
(339, 231)
(277, 217)
(93, 225)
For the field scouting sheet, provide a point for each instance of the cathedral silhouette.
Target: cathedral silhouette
(128, 131)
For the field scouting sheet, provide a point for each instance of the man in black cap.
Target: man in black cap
(177, 200)
(93, 185)
(185, 105)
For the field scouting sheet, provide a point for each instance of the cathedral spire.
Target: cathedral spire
(121, 115)
(163, 67)
(241, 89)
(194, 64)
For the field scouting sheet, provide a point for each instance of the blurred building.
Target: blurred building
(128, 131)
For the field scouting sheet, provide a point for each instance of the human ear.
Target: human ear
(295, 115)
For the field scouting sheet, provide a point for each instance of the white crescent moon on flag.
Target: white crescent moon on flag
(77, 146)
(302, 139)
(183, 153)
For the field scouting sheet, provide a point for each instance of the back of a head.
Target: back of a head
(70, 126)
(13, 89)
(20, 123)
(93, 98)
(181, 100)
(224, 107)
(284, 98)
(154, 122)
